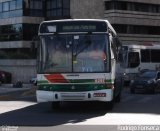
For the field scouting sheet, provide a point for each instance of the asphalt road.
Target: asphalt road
(7, 92)
(134, 109)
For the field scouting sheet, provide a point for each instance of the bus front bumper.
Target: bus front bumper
(98, 95)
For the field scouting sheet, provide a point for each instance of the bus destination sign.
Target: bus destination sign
(79, 28)
(73, 26)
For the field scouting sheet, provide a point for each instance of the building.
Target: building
(19, 21)
(136, 21)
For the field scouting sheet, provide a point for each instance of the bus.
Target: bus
(138, 58)
(77, 62)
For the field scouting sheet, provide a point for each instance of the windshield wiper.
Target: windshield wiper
(85, 47)
(88, 42)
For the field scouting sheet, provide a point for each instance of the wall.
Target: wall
(87, 9)
(22, 70)
(136, 18)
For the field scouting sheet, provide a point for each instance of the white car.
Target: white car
(33, 81)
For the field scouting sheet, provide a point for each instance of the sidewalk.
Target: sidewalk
(7, 92)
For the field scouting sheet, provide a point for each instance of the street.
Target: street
(134, 109)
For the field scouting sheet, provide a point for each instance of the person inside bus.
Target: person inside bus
(98, 53)
(59, 56)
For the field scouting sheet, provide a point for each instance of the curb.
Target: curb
(5, 97)
(30, 92)
(11, 85)
(11, 95)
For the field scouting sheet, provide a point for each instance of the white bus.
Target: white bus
(77, 62)
(136, 58)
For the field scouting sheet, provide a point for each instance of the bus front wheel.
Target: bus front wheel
(118, 98)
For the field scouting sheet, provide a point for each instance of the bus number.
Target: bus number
(99, 80)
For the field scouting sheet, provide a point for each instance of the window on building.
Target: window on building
(108, 5)
(35, 8)
(11, 32)
(57, 8)
(137, 29)
(66, 7)
(11, 9)
(120, 5)
(59, 3)
(36, 4)
(5, 6)
(0, 7)
(18, 32)
(17, 53)
(19, 4)
(120, 28)
(132, 6)
(12, 5)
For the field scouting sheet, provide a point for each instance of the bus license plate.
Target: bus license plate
(99, 94)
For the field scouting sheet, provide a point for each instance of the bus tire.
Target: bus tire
(118, 98)
(56, 105)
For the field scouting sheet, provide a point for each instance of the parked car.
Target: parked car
(18, 84)
(148, 81)
(33, 81)
(5, 77)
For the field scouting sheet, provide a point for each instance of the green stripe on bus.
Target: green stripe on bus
(77, 81)
(73, 88)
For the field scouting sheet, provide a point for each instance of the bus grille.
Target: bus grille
(72, 96)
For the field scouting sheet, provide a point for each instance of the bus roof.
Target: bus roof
(80, 20)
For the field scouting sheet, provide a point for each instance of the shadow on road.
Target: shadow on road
(43, 115)
(139, 103)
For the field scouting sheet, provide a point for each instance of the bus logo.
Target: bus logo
(73, 87)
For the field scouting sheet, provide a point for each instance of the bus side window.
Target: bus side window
(133, 59)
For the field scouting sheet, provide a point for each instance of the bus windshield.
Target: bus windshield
(63, 53)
